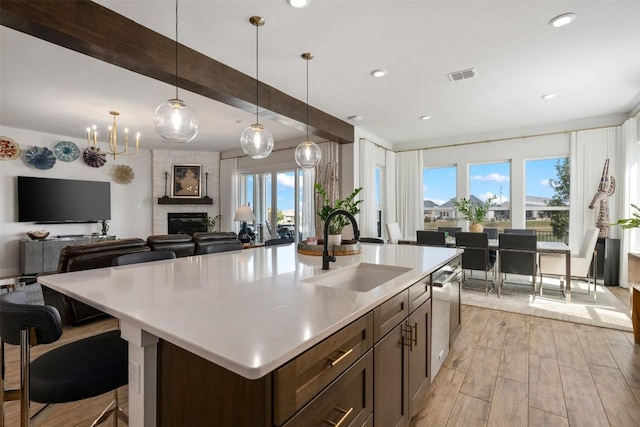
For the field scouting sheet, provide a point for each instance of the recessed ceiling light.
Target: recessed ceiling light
(379, 73)
(562, 20)
(355, 118)
(298, 3)
(425, 117)
(548, 96)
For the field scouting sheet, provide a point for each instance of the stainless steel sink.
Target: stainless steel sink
(360, 277)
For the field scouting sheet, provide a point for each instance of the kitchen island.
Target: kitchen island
(245, 313)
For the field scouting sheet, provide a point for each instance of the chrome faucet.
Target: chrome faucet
(326, 258)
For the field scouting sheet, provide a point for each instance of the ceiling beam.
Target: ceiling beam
(91, 29)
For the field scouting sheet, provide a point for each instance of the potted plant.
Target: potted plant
(210, 222)
(476, 213)
(348, 204)
(633, 222)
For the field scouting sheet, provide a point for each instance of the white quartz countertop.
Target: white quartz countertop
(248, 311)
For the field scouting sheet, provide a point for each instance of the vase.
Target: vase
(334, 240)
(476, 228)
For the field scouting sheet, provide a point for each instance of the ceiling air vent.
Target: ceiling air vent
(461, 75)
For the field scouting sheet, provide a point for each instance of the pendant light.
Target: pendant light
(256, 140)
(175, 121)
(308, 153)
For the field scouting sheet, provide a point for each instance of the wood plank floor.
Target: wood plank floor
(504, 369)
(508, 369)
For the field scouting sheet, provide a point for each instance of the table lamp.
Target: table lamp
(244, 214)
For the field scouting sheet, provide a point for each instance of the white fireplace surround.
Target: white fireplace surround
(163, 161)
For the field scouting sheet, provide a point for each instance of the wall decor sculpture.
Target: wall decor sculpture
(606, 188)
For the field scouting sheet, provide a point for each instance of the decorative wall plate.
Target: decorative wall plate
(123, 174)
(94, 157)
(9, 149)
(66, 151)
(40, 157)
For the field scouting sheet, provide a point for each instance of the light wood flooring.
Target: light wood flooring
(508, 369)
(504, 369)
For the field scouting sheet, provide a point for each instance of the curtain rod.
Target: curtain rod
(507, 138)
(375, 143)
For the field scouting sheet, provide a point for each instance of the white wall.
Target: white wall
(131, 204)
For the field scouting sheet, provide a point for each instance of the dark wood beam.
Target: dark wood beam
(127, 44)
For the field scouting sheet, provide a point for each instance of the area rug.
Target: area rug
(608, 311)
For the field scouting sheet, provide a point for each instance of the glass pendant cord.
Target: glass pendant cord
(308, 58)
(257, 75)
(177, 50)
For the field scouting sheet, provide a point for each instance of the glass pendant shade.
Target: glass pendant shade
(175, 121)
(308, 154)
(256, 141)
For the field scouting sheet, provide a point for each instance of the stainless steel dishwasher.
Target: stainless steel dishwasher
(440, 313)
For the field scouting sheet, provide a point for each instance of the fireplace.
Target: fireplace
(186, 222)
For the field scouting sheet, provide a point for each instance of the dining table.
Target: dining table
(541, 248)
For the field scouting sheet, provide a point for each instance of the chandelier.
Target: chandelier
(92, 139)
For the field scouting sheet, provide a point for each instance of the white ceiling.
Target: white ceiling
(593, 65)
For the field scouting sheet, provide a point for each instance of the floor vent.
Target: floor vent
(462, 75)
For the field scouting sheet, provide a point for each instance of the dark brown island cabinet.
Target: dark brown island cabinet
(373, 372)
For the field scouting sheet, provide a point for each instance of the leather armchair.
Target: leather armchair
(180, 244)
(203, 240)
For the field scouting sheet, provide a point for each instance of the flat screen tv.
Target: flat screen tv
(48, 200)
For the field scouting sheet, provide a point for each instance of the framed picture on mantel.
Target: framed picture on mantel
(187, 181)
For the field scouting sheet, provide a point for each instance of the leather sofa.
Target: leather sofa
(102, 254)
(86, 257)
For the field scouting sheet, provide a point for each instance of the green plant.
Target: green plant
(474, 212)
(630, 222)
(211, 222)
(349, 204)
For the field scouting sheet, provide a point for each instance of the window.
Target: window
(439, 192)
(492, 180)
(271, 198)
(547, 198)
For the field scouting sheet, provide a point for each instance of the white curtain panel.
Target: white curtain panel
(307, 214)
(389, 209)
(589, 150)
(629, 192)
(367, 220)
(409, 192)
(228, 194)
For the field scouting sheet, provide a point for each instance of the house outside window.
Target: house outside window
(547, 198)
(439, 193)
(492, 180)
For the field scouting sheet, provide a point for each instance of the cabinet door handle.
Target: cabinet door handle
(334, 362)
(341, 420)
(415, 333)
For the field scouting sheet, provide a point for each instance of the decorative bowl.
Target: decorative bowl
(37, 235)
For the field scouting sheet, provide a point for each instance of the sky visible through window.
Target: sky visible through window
(488, 180)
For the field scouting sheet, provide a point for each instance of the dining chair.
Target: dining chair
(376, 240)
(430, 238)
(79, 370)
(583, 264)
(393, 232)
(476, 255)
(450, 230)
(277, 242)
(521, 231)
(492, 233)
(517, 255)
(223, 246)
(138, 257)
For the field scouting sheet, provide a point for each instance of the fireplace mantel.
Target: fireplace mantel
(166, 200)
